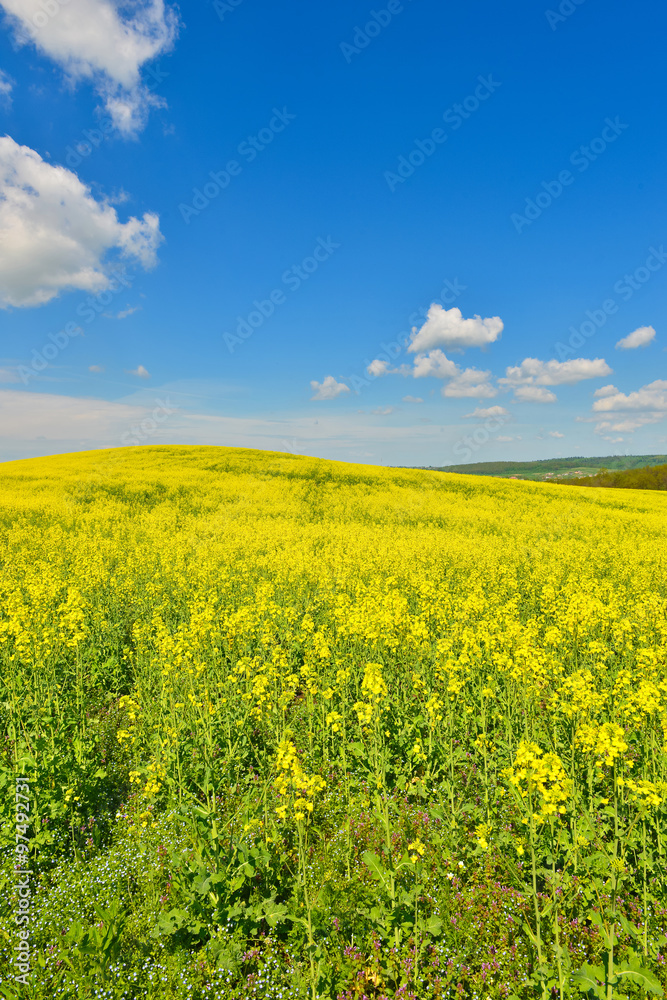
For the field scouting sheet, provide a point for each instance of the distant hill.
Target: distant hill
(648, 478)
(552, 468)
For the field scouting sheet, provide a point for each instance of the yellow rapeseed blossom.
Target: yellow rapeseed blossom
(605, 742)
(541, 777)
(293, 785)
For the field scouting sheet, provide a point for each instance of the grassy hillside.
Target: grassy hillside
(279, 727)
(551, 467)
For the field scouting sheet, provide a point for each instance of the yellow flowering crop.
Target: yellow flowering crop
(213, 632)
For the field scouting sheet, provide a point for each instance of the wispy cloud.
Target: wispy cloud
(6, 87)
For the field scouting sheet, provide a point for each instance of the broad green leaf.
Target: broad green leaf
(590, 977)
(637, 973)
(374, 866)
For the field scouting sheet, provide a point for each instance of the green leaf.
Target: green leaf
(637, 973)
(434, 926)
(590, 978)
(374, 866)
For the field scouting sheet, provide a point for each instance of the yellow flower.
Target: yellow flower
(416, 850)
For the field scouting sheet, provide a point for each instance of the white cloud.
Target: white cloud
(504, 437)
(448, 328)
(470, 383)
(379, 368)
(55, 236)
(412, 399)
(534, 394)
(466, 382)
(630, 424)
(638, 338)
(606, 390)
(382, 411)
(603, 431)
(328, 389)
(556, 434)
(534, 372)
(95, 368)
(6, 86)
(528, 378)
(7, 375)
(435, 364)
(140, 371)
(102, 41)
(650, 397)
(488, 411)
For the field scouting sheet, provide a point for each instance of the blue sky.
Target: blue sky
(280, 227)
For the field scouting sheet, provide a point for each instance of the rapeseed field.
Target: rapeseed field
(281, 727)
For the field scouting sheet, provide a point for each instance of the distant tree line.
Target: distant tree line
(648, 478)
(551, 465)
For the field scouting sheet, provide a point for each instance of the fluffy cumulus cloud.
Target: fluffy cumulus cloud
(139, 371)
(534, 394)
(435, 364)
(483, 412)
(645, 406)
(461, 382)
(55, 236)
(328, 389)
(605, 390)
(104, 41)
(650, 397)
(628, 424)
(471, 383)
(638, 338)
(555, 434)
(529, 379)
(534, 372)
(412, 399)
(448, 328)
(379, 368)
